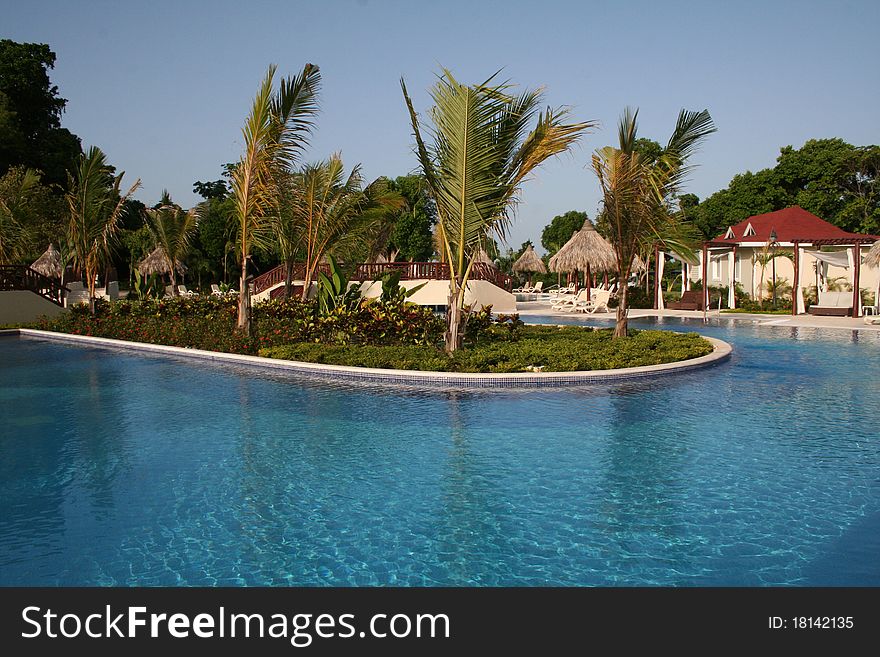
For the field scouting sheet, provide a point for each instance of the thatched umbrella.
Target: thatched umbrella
(157, 263)
(586, 250)
(529, 262)
(484, 258)
(873, 257)
(49, 264)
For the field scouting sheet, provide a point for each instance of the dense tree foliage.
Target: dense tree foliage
(30, 113)
(31, 215)
(832, 179)
(560, 230)
(411, 237)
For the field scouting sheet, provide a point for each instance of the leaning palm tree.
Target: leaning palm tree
(95, 206)
(329, 212)
(172, 228)
(481, 155)
(275, 133)
(638, 194)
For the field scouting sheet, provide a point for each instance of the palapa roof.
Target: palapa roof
(49, 264)
(585, 248)
(529, 261)
(484, 258)
(873, 257)
(157, 263)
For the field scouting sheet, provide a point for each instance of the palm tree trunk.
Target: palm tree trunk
(288, 280)
(307, 283)
(174, 292)
(453, 319)
(90, 277)
(244, 320)
(620, 328)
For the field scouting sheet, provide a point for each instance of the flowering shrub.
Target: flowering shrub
(209, 323)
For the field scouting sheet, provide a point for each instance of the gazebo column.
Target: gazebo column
(656, 277)
(857, 274)
(796, 293)
(705, 276)
(731, 278)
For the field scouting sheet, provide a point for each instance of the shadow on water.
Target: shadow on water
(858, 548)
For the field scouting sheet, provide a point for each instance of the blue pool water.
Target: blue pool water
(124, 469)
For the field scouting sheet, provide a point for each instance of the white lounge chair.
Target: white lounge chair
(181, 289)
(215, 290)
(568, 301)
(558, 291)
(598, 302)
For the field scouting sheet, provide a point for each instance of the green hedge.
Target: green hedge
(535, 348)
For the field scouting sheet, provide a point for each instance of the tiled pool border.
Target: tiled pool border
(721, 352)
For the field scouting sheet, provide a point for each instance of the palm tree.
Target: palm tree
(275, 133)
(172, 227)
(639, 194)
(95, 206)
(326, 211)
(14, 237)
(481, 155)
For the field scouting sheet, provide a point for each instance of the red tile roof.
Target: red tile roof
(790, 224)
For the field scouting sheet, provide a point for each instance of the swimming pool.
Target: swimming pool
(119, 468)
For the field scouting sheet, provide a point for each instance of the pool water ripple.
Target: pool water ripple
(128, 469)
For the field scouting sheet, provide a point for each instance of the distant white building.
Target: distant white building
(816, 253)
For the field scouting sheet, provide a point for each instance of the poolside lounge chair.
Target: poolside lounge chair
(835, 304)
(556, 290)
(598, 303)
(215, 290)
(568, 301)
(186, 293)
(690, 300)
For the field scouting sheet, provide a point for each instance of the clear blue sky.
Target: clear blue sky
(163, 87)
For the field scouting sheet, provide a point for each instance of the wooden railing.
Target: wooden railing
(368, 271)
(22, 277)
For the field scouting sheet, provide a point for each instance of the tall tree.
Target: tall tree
(638, 193)
(482, 153)
(832, 179)
(95, 205)
(411, 236)
(560, 229)
(172, 228)
(30, 113)
(275, 134)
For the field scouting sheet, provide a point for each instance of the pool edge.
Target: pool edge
(721, 352)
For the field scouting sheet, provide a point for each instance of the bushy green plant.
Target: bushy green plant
(147, 287)
(334, 290)
(540, 348)
(392, 290)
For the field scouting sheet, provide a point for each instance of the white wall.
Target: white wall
(19, 306)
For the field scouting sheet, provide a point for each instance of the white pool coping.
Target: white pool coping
(721, 352)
